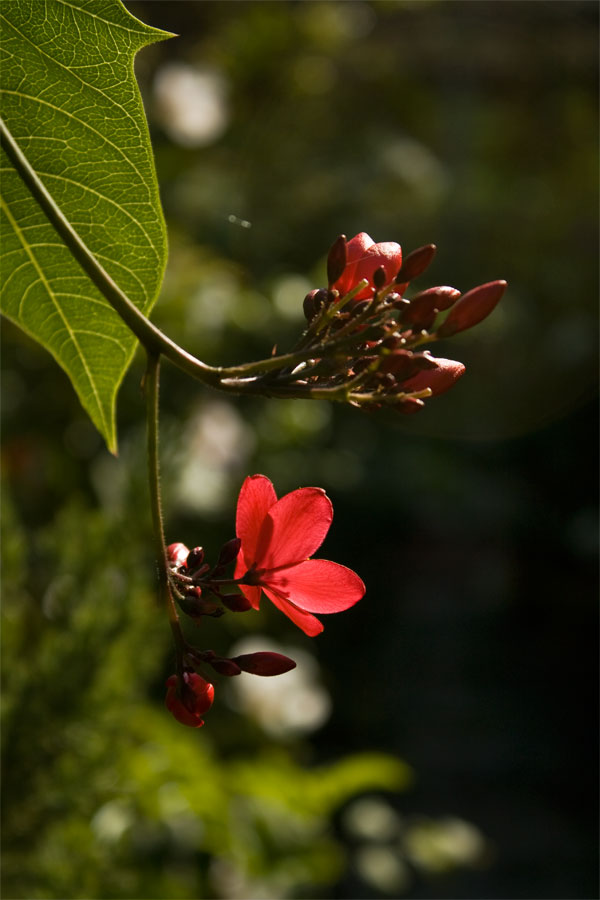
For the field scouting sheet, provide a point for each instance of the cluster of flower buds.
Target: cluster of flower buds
(364, 337)
(193, 579)
(189, 694)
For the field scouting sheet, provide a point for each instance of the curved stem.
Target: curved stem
(151, 387)
(234, 379)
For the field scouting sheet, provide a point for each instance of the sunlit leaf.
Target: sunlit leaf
(71, 102)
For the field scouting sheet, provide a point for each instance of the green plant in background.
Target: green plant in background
(84, 252)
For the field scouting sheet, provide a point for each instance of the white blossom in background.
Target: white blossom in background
(191, 103)
(291, 704)
(216, 443)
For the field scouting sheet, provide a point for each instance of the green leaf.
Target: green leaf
(72, 104)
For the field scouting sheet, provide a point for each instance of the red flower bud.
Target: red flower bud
(225, 666)
(336, 259)
(193, 604)
(416, 262)
(424, 306)
(440, 379)
(236, 602)
(379, 278)
(195, 558)
(177, 555)
(264, 663)
(472, 308)
(229, 551)
(408, 406)
(314, 302)
(189, 699)
(403, 363)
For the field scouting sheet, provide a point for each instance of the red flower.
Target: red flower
(364, 257)
(277, 538)
(195, 697)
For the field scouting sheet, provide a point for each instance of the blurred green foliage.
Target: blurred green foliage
(472, 125)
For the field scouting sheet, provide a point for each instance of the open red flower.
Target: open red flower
(278, 536)
(364, 257)
(194, 698)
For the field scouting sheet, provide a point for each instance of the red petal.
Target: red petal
(318, 585)
(257, 496)
(249, 591)
(358, 246)
(387, 254)
(294, 528)
(310, 625)
(355, 250)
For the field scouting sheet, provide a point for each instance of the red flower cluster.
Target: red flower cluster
(277, 539)
(188, 699)
(376, 330)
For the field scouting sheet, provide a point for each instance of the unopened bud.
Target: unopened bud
(236, 602)
(314, 302)
(336, 259)
(403, 364)
(193, 604)
(359, 308)
(264, 663)
(472, 308)
(439, 379)
(424, 306)
(177, 554)
(409, 406)
(416, 262)
(379, 278)
(195, 558)
(225, 666)
(229, 551)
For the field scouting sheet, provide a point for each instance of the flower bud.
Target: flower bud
(472, 308)
(193, 604)
(336, 259)
(408, 406)
(195, 558)
(264, 663)
(379, 278)
(177, 555)
(314, 302)
(189, 698)
(416, 262)
(236, 602)
(440, 379)
(403, 363)
(229, 551)
(424, 306)
(224, 666)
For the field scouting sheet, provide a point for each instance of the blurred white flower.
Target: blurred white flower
(439, 845)
(293, 703)
(383, 868)
(111, 820)
(217, 441)
(191, 103)
(372, 819)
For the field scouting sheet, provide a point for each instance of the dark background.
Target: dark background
(474, 654)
